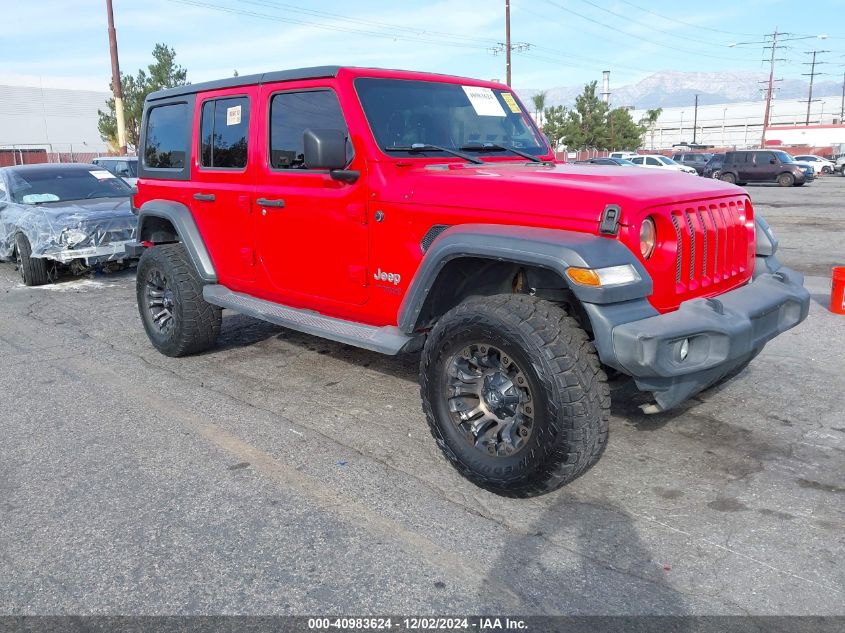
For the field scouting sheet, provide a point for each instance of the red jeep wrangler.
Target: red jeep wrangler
(402, 211)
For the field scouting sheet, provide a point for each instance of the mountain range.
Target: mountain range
(670, 89)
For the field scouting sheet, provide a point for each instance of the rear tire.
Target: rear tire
(786, 180)
(177, 319)
(33, 270)
(532, 407)
(729, 178)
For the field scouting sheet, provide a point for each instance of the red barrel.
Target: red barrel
(837, 290)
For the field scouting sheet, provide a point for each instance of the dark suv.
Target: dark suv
(696, 160)
(762, 166)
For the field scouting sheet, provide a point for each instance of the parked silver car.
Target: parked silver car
(125, 167)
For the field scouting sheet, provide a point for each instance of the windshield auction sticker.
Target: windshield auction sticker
(512, 104)
(101, 174)
(483, 101)
(233, 115)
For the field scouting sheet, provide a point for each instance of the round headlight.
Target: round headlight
(648, 237)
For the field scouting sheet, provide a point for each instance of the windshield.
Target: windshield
(61, 184)
(624, 163)
(666, 161)
(402, 113)
(784, 157)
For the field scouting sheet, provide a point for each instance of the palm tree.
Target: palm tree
(539, 100)
(649, 121)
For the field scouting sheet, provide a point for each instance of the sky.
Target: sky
(64, 43)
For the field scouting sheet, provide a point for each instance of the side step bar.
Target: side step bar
(387, 339)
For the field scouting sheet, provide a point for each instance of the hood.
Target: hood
(95, 209)
(561, 190)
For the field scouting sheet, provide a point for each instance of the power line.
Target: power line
(328, 27)
(637, 37)
(628, 18)
(688, 24)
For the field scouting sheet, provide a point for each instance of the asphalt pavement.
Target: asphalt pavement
(283, 474)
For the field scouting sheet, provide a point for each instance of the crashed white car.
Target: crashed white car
(63, 215)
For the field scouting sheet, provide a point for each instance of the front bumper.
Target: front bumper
(113, 251)
(723, 333)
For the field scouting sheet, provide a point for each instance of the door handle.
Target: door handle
(204, 197)
(266, 202)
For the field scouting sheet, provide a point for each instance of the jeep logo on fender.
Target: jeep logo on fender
(393, 278)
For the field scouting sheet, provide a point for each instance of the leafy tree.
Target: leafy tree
(539, 100)
(162, 73)
(554, 124)
(592, 124)
(624, 133)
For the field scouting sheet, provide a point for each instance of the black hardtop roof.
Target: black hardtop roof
(314, 72)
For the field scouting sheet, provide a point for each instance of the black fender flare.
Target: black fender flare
(186, 228)
(553, 249)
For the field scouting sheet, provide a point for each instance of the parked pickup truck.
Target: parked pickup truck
(408, 212)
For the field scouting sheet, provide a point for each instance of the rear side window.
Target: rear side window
(166, 135)
(224, 133)
(291, 113)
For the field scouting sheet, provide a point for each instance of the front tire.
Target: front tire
(177, 319)
(728, 177)
(514, 394)
(33, 270)
(786, 180)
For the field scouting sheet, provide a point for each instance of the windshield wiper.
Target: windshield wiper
(495, 147)
(425, 147)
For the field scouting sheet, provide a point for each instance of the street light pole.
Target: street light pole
(115, 80)
(695, 120)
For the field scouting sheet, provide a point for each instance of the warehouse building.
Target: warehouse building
(49, 124)
(741, 124)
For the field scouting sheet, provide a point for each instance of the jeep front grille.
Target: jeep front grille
(712, 243)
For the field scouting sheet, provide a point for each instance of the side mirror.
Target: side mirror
(324, 149)
(773, 161)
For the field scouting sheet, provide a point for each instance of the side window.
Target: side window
(763, 158)
(166, 136)
(224, 133)
(291, 113)
(653, 161)
(637, 160)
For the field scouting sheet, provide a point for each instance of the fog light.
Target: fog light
(685, 349)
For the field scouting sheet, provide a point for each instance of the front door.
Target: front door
(311, 230)
(222, 177)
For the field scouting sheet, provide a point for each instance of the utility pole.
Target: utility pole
(115, 80)
(695, 120)
(769, 89)
(812, 74)
(507, 47)
(508, 42)
(774, 46)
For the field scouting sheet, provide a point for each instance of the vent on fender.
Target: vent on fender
(431, 235)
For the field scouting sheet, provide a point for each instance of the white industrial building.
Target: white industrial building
(741, 124)
(62, 122)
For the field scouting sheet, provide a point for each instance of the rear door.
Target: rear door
(312, 237)
(222, 177)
